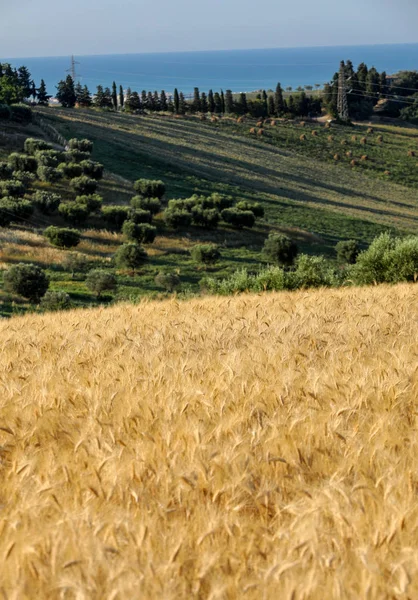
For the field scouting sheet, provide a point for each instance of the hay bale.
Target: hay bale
(411, 153)
(327, 125)
(273, 123)
(380, 139)
(363, 141)
(202, 117)
(214, 119)
(364, 157)
(302, 137)
(252, 130)
(337, 157)
(349, 154)
(314, 133)
(260, 132)
(370, 130)
(354, 138)
(240, 120)
(260, 123)
(330, 138)
(386, 173)
(302, 123)
(343, 142)
(354, 163)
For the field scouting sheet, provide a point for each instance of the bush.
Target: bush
(76, 156)
(56, 301)
(130, 256)
(14, 210)
(254, 207)
(177, 218)
(153, 205)
(208, 218)
(139, 232)
(186, 204)
(115, 216)
(32, 145)
(5, 171)
(48, 174)
(313, 271)
(238, 218)
(84, 185)
(62, 237)
(26, 280)
(12, 188)
(99, 281)
(82, 145)
(218, 201)
(24, 177)
(48, 158)
(93, 202)
(269, 279)
(75, 261)
(347, 251)
(73, 212)
(22, 162)
(46, 202)
(137, 215)
(205, 253)
(70, 170)
(168, 281)
(92, 169)
(150, 188)
(280, 249)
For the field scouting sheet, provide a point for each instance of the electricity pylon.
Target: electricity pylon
(342, 104)
(72, 70)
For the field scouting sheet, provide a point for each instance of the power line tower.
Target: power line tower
(72, 69)
(342, 104)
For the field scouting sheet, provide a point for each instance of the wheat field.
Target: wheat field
(254, 447)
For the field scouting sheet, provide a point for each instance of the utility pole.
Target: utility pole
(342, 104)
(72, 70)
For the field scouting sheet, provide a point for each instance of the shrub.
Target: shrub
(238, 218)
(205, 253)
(24, 177)
(83, 145)
(130, 256)
(12, 188)
(168, 281)
(150, 188)
(347, 251)
(46, 202)
(313, 271)
(184, 203)
(48, 174)
(26, 280)
(62, 237)
(177, 218)
(32, 145)
(92, 169)
(218, 201)
(48, 158)
(22, 162)
(70, 170)
(153, 205)
(75, 261)
(73, 212)
(76, 156)
(137, 215)
(115, 216)
(23, 209)
(269, 279)
(280, 249)
(12, 209)
(139, 232)
(84, 185)
(208, 218)
(99, 281)
(254, 207)
(93, 201)
(5, 171)
(56, 301)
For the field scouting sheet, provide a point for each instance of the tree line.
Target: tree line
(17, 85)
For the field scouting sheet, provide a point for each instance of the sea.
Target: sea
(237, 70)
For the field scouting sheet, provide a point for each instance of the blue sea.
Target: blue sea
(238, 70)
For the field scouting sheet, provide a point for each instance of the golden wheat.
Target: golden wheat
(260, 446)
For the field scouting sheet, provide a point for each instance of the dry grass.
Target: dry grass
(260, 447)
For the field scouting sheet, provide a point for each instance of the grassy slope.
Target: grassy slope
(262, 445)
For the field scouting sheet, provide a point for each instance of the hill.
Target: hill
(260, 445)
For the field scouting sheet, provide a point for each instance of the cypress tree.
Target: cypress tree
(99, 97)
(196, 100)
(229, 102)
(242, 104)
(383, 85)
(24, 82)
(211, 102)
(217, 102)
(176, 102)
(85, 98)
(362, 73)
(114, 96)
(128, 99)
(107, 98)
(66, 93)
(121, 97)
(278, 100)
(182, 104)
(135, 102)
(144, 98)
(222, 102)
(163, 101)
(291, 105)
(150, 101)
(204, 103)
(271, 107)
(170, 105)
(156, 101)
(42, 95)
(265, 107)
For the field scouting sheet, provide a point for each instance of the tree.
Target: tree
(99, 281)
(168, 281)
(130, 256)
(121, 97)
(176, 102)
(150, 188)
(182, 104)
(217, 103)
(133, 102)
(43, 97)
(115, 216)
(85, 99)
(74, 212)
(347, 251)
(163, 101)
(222, 102)
(196, 100)
(66, 92)
(204, 103)
(205, 253)
(25, 82)
(229, 102)
(156, 105)
(56, 301)
(84, 185)
(114, 96)
(242, 104)
(279, 104)
(265, 102)
(46, 202)
(280, 249)
(152, 205)
(238, 218)
(254, 207)
(177, 218)
(211, 102)
(142, 233)
(62, 237)
(26, 280)
(271, 109)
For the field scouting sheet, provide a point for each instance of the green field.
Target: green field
(305, 192)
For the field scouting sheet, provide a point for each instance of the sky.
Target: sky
(81, 27)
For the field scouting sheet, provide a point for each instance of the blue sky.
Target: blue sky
(53, 28)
